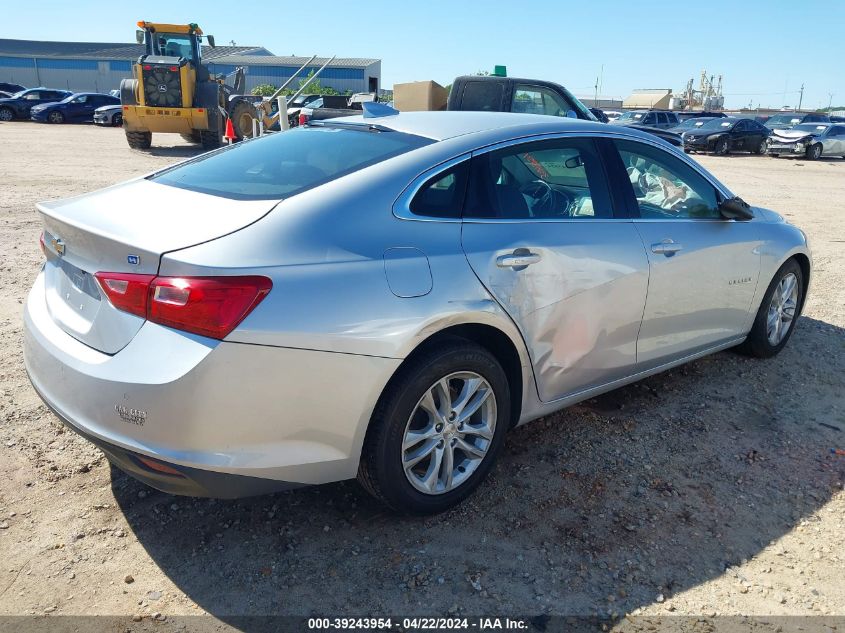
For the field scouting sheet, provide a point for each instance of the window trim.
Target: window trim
(401, 206)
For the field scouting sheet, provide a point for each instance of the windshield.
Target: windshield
(813, 128)
(695, 122)
(718, 125)
(631, 116)
(172, 45)
(784, 119)
(287, 163)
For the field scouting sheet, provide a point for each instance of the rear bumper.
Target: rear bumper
(234, 419)
(178, 120)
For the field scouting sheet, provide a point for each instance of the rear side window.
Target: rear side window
(287, 163)
(442, 196)
(482, 95)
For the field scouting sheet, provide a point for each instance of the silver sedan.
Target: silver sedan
(386, 296)
(811, 140)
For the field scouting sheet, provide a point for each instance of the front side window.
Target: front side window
(283, 165)
(80, 99)
(664, 186)
(555, 179)
(539, 100)
(442, 196)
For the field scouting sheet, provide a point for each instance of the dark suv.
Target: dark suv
(19, 105)
(660, 119)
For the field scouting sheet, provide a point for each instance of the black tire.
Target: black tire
(56, 117)
(722, 147)
(242, 115)
(117, 120)
(814, 152)
(762, 148)
(380, 471)
(193, 137)
(757, 344)
(7, 114)
(210, 139)
(139, 140)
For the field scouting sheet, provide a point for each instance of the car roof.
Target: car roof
(440, 126)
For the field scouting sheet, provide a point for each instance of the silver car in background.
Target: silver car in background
(386, 296)
(810, 140)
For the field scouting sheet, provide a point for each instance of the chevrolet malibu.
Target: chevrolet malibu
(385, 296)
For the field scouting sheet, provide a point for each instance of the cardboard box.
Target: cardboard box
(419, 95)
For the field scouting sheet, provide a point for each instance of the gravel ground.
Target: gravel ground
(710, 489)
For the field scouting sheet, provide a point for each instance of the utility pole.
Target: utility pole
(801, 97)
(829, 101)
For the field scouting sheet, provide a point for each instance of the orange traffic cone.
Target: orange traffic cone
(230, 131)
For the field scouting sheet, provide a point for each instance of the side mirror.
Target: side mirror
(735, 209)
(139, 37)
(210, 39)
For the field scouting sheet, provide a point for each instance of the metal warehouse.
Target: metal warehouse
(100, 66)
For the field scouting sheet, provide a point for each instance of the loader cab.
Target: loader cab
(185, 44)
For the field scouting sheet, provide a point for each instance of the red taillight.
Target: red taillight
(147, 67)
(209, 306)
(126, 291)
(303, 118)
(174, 68)
(42, 244)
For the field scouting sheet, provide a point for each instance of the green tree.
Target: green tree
(264, 90)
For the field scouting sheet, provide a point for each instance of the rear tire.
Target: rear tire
(761, 148)
(814, 152)
(139, 140)
(760, 343)
(210, 139)
(400, 413)
(193, 137)
(6, 114)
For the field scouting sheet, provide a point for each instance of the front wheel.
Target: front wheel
(117, 120)
(56, 117)
(814, 152)
(721, 148)
(775, 320)
(437, 429)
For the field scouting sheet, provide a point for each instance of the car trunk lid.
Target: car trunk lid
(125, 228)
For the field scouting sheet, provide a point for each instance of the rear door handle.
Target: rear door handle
(666, 247)
(518, 260)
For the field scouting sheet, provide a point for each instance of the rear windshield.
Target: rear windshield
(284, 164)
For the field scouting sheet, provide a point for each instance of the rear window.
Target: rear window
(484, 96)
(284, 164)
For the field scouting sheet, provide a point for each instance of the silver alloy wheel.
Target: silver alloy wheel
(449, 433)
(782, 309)
(5, 114)
(763, 147)
(816, 151)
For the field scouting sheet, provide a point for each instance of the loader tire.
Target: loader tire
(139, 140)
(242, 116)
(193, 137)
(210, 139)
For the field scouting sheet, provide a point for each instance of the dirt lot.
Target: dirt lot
(708, 490)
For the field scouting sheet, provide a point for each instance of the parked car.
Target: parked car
(690, 124)
(659, 119)
(612, 115)
(5, 95)
(11, 88)
(699, 114)
(730, 134)
(18, 105)
(787, 120)
(811, 140)
(837, 119)
(110, 115)
(348, 311)
(76, 108)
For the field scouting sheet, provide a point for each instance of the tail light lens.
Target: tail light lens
(126, 291)
(303, 118)
(208, 306)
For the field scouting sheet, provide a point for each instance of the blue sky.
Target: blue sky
(764, 50)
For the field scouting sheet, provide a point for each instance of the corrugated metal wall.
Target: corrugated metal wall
(86, 75)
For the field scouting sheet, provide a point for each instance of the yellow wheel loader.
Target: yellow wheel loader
(171, 89)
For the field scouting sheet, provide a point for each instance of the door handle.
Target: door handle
(518, 260)
(666, 247)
